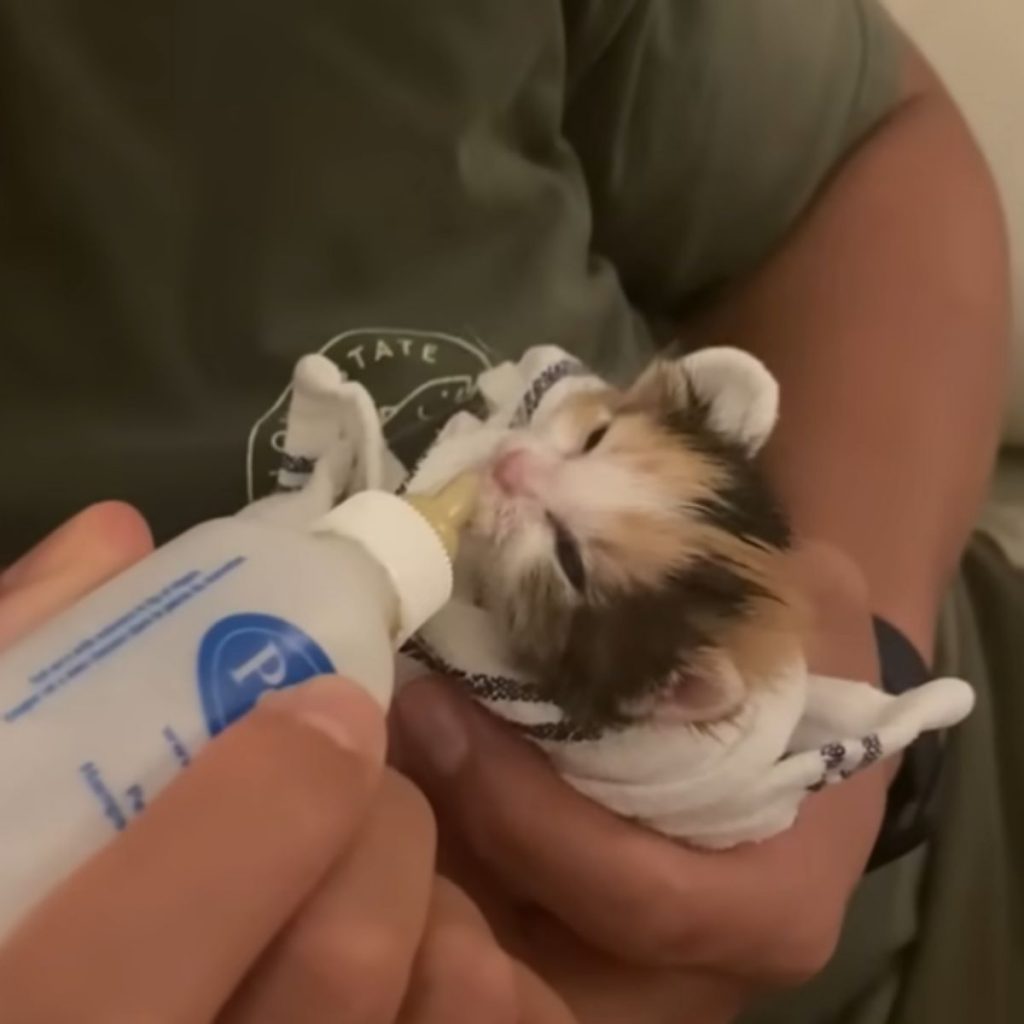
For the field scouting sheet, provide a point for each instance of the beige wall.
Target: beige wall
(978, 48)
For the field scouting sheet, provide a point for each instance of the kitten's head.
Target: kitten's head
(628, 544)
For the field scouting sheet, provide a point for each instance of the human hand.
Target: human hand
(285, 876)
(670, 918)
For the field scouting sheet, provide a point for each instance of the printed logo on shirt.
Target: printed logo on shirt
(241, 657)
(418, 379)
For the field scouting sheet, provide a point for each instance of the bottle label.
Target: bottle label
(243, 656)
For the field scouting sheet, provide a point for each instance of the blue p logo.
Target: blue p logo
(243, 656)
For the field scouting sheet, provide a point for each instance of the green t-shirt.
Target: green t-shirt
(194, 193)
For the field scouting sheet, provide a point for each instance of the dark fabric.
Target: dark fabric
(938, 937)
(193, 193)
(912, 803)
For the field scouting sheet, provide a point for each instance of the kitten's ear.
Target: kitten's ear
(706, 692)
(739, 395)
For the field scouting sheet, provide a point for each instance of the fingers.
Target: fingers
(600, 989)
(351, 954)
(166, 920)
(348, 954)
(549, 845)
(461, 974)
(618, 886)
(76, 558)
(538, 1003)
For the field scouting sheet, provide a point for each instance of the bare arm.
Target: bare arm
(885, 317)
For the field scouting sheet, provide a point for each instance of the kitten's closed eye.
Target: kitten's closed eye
(595, 437)
(568, 556)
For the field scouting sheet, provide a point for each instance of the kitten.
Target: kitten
(632, 552)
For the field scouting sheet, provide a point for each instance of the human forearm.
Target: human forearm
(885, 318)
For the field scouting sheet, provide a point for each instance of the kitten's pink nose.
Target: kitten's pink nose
(511, 470)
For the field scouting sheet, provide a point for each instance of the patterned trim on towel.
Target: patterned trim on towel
(839, 762)
(293, 473)
(501, 688)
(541, 385)
(872, 749)
(300, 464)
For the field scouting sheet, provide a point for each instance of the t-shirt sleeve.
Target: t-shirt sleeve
(705, 127)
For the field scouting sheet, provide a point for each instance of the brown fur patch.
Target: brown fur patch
(766, 640)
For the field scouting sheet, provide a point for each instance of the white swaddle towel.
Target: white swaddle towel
(740, 780)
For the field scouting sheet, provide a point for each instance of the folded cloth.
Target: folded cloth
(740, 780)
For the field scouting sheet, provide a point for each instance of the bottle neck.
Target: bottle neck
(406, 547)
(384, 594)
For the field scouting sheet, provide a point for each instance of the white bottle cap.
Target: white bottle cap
(405, 545)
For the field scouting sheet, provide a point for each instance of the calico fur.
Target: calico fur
(680, 546)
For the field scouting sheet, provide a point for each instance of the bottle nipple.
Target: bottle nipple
(449, 509)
